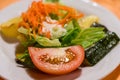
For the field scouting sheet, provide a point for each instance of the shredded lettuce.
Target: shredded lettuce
(89, 36)
(43, 41)
(28, 42)
(47, 42)
(84, 37)
(76, 24)
(24, 30)
(73, 36)
(66, 40)
(73, 29)
(24, 58)
(57, 32)
(69, 26)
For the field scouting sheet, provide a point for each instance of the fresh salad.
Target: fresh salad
(58, 39)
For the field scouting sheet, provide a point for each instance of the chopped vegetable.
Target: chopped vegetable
(47, 42)
(9, 28)
(66, 40)
(87, 21)
(101, 48)
(23, 30)
(57, 32)
(73, 30)
(24, 58)
(89, 36)
(69, 26)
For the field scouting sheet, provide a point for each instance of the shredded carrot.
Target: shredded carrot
(40, 30)
(23, 24)
(38, 12)
(48, 35)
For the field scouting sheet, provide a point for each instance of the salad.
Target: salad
(58, 39)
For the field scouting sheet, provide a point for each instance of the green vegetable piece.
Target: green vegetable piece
(47, 42)
(54, 16)
(89, 36)
(69, 26)
(66, 40)
(57, 32)
(24, 30)
(73, 29)
(28, 42)
(24, 59)
(76, 24)
(43, 41)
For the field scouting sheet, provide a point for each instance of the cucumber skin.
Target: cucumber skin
(100, 49)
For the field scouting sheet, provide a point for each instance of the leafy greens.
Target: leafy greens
(85, 37)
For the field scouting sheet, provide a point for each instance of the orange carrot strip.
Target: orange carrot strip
(48, 34)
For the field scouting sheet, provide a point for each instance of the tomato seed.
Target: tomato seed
(58, 60)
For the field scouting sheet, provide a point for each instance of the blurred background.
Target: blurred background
(112, 5)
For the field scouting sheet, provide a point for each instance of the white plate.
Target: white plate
(10, 70)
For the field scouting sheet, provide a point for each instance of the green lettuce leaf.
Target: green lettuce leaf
(88, 36)
(24, 30)
(43, 41)
(66, 40)
(73, 29)
(69, 26)
(24, 59)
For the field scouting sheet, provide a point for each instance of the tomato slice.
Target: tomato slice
(57, 61)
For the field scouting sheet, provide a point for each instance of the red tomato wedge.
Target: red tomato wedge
(57, 61)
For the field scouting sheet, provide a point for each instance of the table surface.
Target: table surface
(112, 5)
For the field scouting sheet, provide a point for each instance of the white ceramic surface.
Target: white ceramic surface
(11, 71)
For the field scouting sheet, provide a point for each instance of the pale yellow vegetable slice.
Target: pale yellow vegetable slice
(21, 38)
(86, 22)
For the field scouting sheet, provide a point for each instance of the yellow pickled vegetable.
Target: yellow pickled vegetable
(9, 28)
(86, 22)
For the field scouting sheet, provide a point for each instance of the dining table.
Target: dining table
(111, 5)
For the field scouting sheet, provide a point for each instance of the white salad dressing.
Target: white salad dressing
(56, 30)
